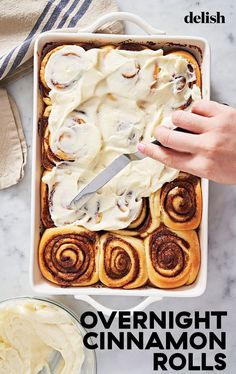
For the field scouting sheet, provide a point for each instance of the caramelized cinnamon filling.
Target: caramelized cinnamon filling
(45, 209)
(166, 252)
(179, 199)
(70, 256)
(180, 83)
(120, 259)
(129, 74)
(186, 105)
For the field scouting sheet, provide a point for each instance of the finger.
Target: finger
(207, 108)
(178, 141)
(192, 164)
(200, 166)
(168, 157)
(190, 121)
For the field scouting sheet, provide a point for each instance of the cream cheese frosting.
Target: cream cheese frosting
(76, 138)
(31, 331)
(106, 102)
(112, 207)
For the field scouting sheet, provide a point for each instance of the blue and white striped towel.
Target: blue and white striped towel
(21, 21)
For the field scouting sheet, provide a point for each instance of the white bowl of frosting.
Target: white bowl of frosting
(39, 336)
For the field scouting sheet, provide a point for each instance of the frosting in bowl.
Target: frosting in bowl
(30, 333)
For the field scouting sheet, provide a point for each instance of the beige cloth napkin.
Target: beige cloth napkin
(13, 148)
(20, 22)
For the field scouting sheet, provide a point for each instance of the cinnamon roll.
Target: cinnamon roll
(45, 204)
(68, 256)
(190, 77)
(173, 257)
(181, 202)
(138, 226)
(122, 262)
(48, 106)
(132, 73)
(125, 127)
(193, 70)
(74, 139)
(125, 46)
(62, 67)
(49, 159)
(44, 63)
(107, 48)
(145, 222)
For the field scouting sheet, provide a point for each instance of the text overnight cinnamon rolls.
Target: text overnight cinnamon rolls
(98, 104)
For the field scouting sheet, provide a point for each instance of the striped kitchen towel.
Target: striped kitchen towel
(21, 21)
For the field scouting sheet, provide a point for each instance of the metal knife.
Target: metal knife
(108, 173)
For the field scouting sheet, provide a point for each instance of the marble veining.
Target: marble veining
(221, 287)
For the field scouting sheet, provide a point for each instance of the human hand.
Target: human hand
(210, 152)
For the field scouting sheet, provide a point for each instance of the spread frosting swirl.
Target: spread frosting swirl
(113, 207)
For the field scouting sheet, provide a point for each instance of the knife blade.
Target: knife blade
(103, 178)
(108, 173)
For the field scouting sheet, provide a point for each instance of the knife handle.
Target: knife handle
(156, 142)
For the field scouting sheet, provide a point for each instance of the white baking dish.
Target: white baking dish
(200, 48)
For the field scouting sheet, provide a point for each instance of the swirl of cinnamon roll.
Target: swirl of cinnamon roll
(49, 159)
(173, 257)
(45, 58)
(144, 223)
(193, 68)
(181, 202)
(68, 256)
(185, 105)
(122, 261)
(186, 80)
(125, 127)
(132, 74)
(45, 205)
(138, 223)
(75, 139)
(191, 75)
(62, 67)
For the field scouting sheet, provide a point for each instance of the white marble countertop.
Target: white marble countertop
(221, 287)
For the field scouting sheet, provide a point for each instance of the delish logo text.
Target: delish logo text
(204, 17)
